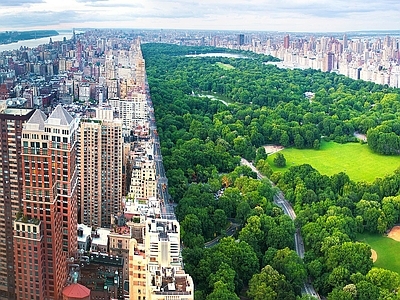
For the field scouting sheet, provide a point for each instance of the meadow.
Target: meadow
(387, 249)
(225, 66)
(354, 159)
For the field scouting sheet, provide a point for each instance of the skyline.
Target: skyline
(254, 15)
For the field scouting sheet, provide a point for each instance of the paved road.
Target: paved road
(279, 200)
(167, 207)
(229, 232)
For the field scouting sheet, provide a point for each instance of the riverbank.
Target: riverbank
(10, 37)
(67, 34)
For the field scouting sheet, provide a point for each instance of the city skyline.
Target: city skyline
(285, 15)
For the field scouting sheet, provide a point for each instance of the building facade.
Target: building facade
(11, 191)
(45, 231)
(155, 268)
(100, 174)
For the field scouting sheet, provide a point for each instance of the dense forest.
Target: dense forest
(203, 140)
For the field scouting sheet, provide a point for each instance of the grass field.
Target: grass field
(354, 159)
(387, 249)
(225, 66)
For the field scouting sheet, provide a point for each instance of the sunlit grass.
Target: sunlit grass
(225, 66)
(354, 159)
(386, 248)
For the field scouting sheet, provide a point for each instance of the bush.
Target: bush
(280, 160)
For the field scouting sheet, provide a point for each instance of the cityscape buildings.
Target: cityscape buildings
(45, 231)
(85, 198)
(11, 186)
(82, 189)
(100, 168)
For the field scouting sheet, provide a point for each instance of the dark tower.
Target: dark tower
(240, 39)
(286, 42)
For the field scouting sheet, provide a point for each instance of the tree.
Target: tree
(264, 167)
(316, 144)
(280, 160)
(243, 211)
(284, 140)
(226, 275)
(220, 220)
(366, 290)
(383, 278)
(260, 154)
(340, 294)
(299, 141)
(252, 234)
(222, 292)
(288, 263)
(355, 257)
(269, 285)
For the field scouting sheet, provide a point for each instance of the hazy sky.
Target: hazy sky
(263, 15)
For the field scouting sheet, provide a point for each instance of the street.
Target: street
(279, 200)
(167, 207)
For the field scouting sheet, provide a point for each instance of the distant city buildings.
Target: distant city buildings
(81, 187)
(79, 143)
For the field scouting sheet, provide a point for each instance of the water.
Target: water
(229, 55)
(212, 97)
(36, 42)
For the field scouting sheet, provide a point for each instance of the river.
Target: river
(36, 42)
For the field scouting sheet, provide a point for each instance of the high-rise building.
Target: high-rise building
(286, 42)
(240, 39)
(345, 42)
(45, 231)
(100, 174)
(11, 191)
(329, 62)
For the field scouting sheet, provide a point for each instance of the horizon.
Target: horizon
(84, 29)
(227, 15)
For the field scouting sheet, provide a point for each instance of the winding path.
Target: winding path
(279, 200)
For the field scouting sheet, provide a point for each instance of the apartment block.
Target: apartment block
(100, 173)
(133, 111)
(11, 190)
(45, 231)
(143, 178)
(155, 267)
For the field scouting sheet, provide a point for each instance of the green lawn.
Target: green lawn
(354, 159)
(225, 66)
(387, 249)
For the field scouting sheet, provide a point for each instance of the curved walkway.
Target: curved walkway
(279, 200)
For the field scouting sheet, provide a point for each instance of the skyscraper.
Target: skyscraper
(345, 42)
(46, 228)
(240, 39)
(286, 42)
(11, 122)
(100, 173)
(329, 62)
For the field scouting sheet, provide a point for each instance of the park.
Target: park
(385, 248)
(355, 159)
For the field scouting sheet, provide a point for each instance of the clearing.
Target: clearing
(355, 159)
(387, 250)
(224, 66)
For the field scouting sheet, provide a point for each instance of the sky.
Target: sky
(243, 15)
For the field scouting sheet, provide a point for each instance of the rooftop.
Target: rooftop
(61, 115)
(76, 291)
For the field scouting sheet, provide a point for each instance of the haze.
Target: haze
(270, 15)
